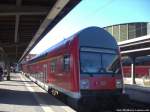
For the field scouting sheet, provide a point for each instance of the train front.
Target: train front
(100, 67)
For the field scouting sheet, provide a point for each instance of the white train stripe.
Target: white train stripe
(65, 108)
(40, 101)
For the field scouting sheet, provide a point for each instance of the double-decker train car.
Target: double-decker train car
(142, 67)
(82, 67)
(140, 71)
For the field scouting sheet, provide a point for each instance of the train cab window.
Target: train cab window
(66, 63)
(99, 62)
(53, 65)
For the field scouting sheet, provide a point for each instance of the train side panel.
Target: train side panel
(140, 71)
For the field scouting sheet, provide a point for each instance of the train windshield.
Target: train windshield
(99, 62)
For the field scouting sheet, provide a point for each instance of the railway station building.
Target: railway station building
(127, 31)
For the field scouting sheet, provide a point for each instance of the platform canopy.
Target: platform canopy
(136, 47)
(24, 22)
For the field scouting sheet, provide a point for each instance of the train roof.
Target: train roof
(98, 37)
(85, 36)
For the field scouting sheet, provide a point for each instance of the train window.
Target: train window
(66, 63)
(90, 62)
(112, 63)
(53, 65)
(94, 62)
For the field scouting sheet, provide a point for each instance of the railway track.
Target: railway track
(127, 105)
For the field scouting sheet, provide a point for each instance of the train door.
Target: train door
(45, 73)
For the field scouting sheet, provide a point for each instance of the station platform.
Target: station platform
(138, 92)
(22, 95)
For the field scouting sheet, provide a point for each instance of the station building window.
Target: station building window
(123, 32)
(143, 29)
(116, 32)
(138, 30)
(131, 31)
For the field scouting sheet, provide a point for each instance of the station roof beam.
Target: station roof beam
(136, 47)
(23, 23)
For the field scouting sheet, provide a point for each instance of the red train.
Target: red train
(140, 71)
(82, 67)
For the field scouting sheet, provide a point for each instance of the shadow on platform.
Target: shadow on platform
(26, 98)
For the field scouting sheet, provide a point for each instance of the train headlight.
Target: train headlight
(118, 83)
(84, 84)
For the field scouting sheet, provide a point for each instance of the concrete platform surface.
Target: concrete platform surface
(138, 93)
(22, 95)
